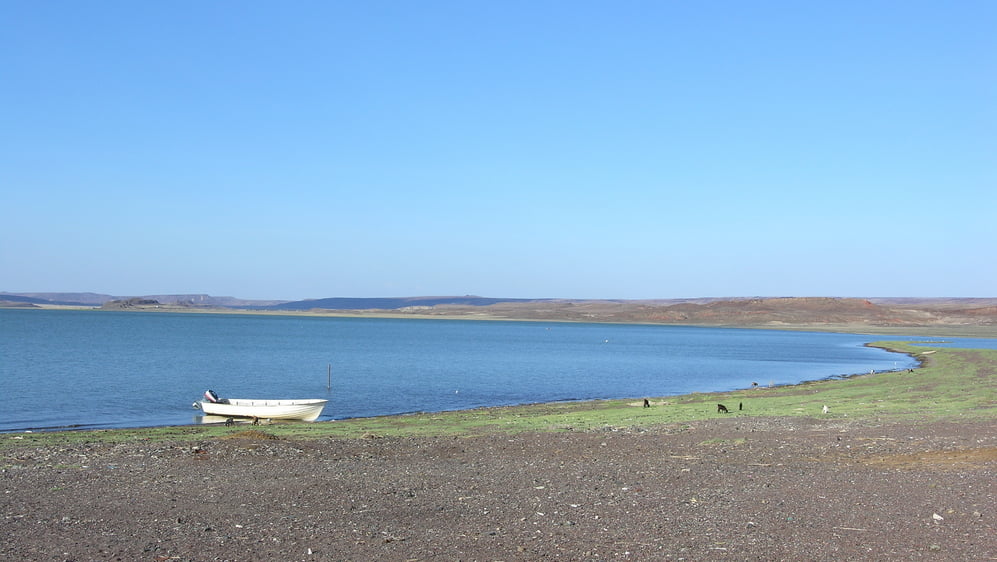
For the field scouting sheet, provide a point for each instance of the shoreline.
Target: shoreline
(763, 401)
(579, 402)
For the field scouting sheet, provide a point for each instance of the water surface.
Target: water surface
(136, 369)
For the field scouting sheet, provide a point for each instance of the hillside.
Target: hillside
(755, 312)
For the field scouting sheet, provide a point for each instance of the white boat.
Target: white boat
(308, 409)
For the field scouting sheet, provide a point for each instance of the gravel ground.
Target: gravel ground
(734, 488)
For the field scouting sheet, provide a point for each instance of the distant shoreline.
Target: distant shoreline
(965, 331)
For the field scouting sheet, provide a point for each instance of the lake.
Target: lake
(96, 369)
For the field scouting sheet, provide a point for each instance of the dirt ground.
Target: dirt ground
(733, 488)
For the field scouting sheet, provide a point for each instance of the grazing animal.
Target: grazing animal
(825, 409)
(722, 409)
(230, 421)
(646, 403)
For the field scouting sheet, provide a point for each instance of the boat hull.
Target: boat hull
(304, 410)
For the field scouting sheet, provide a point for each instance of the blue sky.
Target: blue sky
(509, 149)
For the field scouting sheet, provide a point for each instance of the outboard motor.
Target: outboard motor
(210, 396)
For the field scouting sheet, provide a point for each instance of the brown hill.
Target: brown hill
(755, 312)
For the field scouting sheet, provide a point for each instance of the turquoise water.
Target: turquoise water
(132, 369)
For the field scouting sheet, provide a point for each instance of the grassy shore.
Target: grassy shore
(950, 384)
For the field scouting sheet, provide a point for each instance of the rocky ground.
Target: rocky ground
(736, 488)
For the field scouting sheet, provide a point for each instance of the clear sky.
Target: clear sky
(532, 148)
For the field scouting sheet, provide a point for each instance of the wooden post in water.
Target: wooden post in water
(328, 385)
